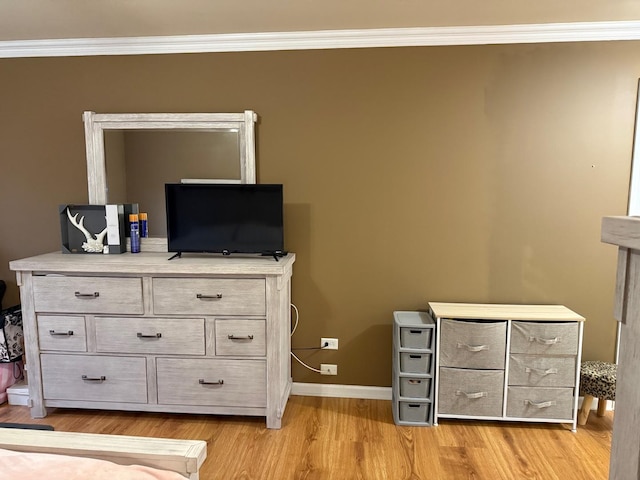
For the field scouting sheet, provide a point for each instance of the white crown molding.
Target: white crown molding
(325, 39)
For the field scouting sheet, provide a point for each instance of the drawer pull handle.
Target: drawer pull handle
(234, 337)
(87, 295)
(202, 381)
(65, 334)
(94, 379)
(545, 341)
(539, 371)
(202, 296)
(548, 404)
(417, 332)
(473, 348)
(154, 335)
(471, 395)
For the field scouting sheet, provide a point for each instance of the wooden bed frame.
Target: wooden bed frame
(182, 456)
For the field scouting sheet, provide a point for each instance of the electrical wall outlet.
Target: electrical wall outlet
(329, 343)
(328, 369)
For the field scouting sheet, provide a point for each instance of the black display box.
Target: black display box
(92, 228)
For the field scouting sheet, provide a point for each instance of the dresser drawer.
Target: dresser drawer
(212, 382)
(473, 344)
(476, 393)
(62, 332)
(202, 296)
(533, 402)
(549, 338)
(240, 337)
(94, 378)
(542, 371)
(415, 387)
(415, 362)
(87, 294)
(415, 337)
(150, 335)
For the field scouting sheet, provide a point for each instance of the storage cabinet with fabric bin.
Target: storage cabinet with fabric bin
(507, 362)
(413, 368)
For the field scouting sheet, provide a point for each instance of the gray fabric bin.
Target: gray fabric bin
(529, 402)
(541, 371)
(473, 344)
(545, 338)
(475, 393)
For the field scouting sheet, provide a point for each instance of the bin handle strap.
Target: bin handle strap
(471, 395)
(473, 348)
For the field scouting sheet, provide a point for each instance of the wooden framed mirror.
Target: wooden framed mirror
(130, 156)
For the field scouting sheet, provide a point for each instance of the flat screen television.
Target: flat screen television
(225, 218)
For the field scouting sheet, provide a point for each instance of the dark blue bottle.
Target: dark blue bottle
(135, 233)
(144, 228)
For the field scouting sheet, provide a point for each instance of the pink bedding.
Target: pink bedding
(42, 466)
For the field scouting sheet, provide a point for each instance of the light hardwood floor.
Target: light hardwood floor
(330, 438)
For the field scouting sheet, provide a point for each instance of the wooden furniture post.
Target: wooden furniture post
(625, 445)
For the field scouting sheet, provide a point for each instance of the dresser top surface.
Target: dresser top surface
(541, 313)
(155, 263)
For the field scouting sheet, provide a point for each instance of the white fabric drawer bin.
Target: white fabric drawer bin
(415, 362)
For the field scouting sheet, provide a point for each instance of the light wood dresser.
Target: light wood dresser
(624, 232)
(197, 334)
(507, 362)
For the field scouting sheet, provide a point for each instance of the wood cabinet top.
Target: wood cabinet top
(621, 231)
(485, 311)
(155, 263)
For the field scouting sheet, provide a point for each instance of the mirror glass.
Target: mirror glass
(130, 157)
(139, 162)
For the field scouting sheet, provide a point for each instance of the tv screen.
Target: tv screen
(225, 218)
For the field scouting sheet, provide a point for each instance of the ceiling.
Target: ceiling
(65, 19)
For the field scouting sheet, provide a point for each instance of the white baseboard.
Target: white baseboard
(370, 393)
(341, 391)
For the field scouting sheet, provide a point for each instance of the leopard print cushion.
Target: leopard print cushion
(598, 379)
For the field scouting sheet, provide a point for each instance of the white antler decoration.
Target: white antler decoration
(91, 245)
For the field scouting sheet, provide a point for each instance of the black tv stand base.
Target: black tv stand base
(226, 253)
(276, 255)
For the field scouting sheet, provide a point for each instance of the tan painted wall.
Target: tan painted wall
(411, 174)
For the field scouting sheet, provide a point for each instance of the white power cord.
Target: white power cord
(304, 364)
(292, 332)
(297, 319)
